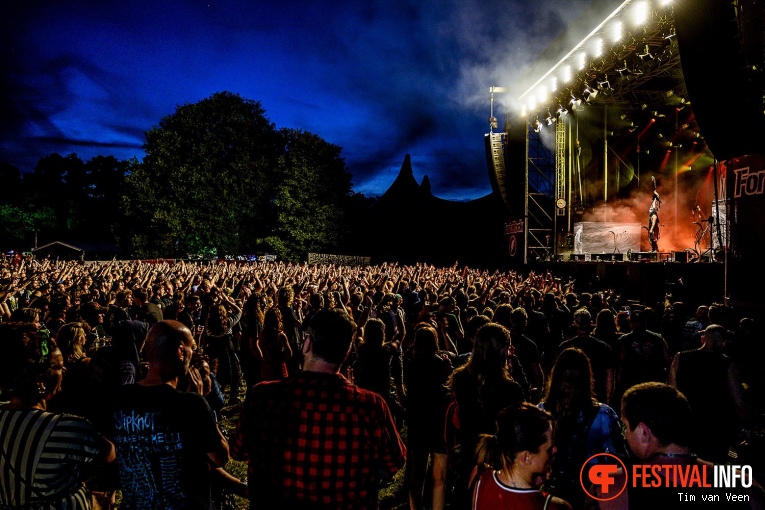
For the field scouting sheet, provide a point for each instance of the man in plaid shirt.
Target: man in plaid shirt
(315, 440)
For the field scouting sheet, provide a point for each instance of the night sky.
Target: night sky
(378, 78)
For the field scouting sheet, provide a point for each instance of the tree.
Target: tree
(308, 205)
(104, 186)
(219, 178)
(205, 177)
(59, 182)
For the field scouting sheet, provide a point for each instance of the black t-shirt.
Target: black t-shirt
(162, 437)
(602, 358)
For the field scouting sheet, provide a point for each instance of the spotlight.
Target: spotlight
(624, 71)
(646, 55)
(589, 94)
(549, 119)
(604, 85)
(562, 112)
(493, 123)
(537, 125)
(574, 102)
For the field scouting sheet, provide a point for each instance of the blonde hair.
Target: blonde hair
(71, 340)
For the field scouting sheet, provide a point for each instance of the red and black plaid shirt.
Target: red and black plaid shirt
(315, 440)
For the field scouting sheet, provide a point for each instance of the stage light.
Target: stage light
(616, 31)
(604, 85)
(565, 74)
(581, 61)
(549, 119)
(624, 71)
(562, 112)
(646, 55)
(589, 94)
(574, 102)
(541, 93)
(537, 125)
(640, 13)
(597, 47)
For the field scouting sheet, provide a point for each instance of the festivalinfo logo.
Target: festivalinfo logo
(605, 476)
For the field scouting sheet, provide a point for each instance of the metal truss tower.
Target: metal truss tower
(540, 197)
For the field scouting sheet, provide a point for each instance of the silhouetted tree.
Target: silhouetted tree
(205, 177)
(219, 178)
(308, 208)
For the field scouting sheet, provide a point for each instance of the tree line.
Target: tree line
(217, 179)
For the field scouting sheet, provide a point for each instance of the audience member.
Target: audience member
(166, 438)
(642, 355)
(426, 374)
(481, 388)
(512, 462)
(598, 352)
(657, 420)
(584, 426)
(314, 440)
(712, 384)
(47, 457)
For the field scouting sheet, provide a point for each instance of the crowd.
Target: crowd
(493, 389)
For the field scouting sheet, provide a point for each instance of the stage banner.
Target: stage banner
(745, 183)
(340, 260)
(515, 240)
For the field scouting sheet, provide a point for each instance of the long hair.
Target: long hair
(520, 428)
(285, 296)
(217, 320)
(71, 340)
(570, 387)
(256, 306)
(425, 342)
(488, 361)
(272, 322)
(374, 332)
(605, 325)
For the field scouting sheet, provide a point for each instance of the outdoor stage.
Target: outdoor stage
(647, 278)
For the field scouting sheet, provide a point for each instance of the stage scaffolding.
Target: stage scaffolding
(539, 203)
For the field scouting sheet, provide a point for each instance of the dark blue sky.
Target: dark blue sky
(379, 78)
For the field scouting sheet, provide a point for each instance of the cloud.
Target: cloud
(379, 78)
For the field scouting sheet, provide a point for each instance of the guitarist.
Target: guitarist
(653, 218)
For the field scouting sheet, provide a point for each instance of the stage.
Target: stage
(645, 277)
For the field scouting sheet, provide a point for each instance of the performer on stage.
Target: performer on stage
(653, 218)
